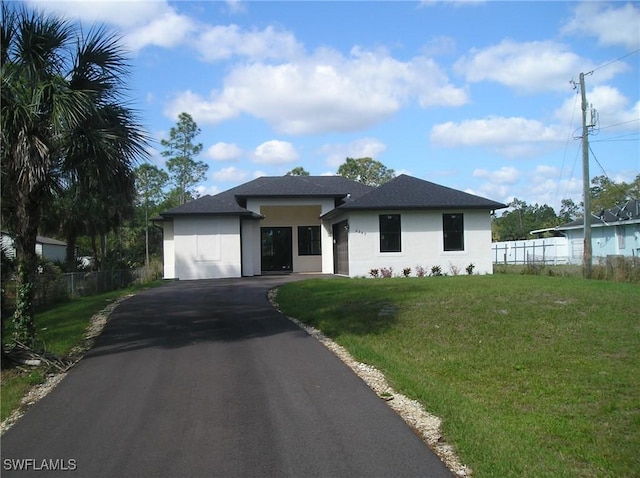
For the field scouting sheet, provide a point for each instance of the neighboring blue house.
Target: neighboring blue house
(51, 249)
(614, 232)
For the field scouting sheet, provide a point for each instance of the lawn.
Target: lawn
(533, 376)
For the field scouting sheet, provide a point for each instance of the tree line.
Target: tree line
(521, 218)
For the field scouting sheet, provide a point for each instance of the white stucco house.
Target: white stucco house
(327, 224)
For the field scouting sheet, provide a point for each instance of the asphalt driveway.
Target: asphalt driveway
(206, 379)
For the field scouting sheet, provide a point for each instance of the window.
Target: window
(309, 241)
(390, 233)
(621, 238)
(453, 232)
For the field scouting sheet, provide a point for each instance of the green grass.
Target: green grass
(59, 329)
(533, 376)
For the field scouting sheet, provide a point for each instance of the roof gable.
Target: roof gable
(230, 202)
(407, 192)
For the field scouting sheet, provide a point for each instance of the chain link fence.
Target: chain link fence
(80, 284)
(52, 287)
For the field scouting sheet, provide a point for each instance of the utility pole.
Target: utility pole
(586, 183)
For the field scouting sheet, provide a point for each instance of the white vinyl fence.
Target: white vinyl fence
(551, 251)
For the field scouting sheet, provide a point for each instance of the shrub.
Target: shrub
(374, 273)
(618, 268)
(406, 271)
(386, 272)
(436, 271)
(455, 270)
(421, 271)
(533, 268)
(470, 268)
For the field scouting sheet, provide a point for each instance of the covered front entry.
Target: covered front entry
(341, 248)
(277, 251)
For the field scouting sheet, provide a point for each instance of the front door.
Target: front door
(341, 248)
(277, 252)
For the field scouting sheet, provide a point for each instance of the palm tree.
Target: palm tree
(62, 120)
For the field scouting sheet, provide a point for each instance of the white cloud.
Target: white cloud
(611, 24)
(228, 175)
(440, 45)
(236, 6)
(204, 190)
(504, 175)
(543, 185)
(546, 186)
(613, 108)
(361, 148)
(528, 67)
(326, 92)
(166, 30)
(141, 23)
(275, 152)
(512, 137)
(122, 13)
(202, 110)
(222, 42)
(224, 151)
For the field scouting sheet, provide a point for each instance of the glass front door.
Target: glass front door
(277, 254)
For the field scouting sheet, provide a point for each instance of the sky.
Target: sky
(481, 96)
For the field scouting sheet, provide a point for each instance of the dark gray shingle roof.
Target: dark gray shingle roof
(407, 192)
(300, 186)
(628, 212)
(209, 205)
(230, 202)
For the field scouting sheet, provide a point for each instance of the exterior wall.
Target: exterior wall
(422, 243)
(168, 251)
(250, 248)
(52, 252)
(206, 247)
(294, 212)
(615, 239)
(622, 240)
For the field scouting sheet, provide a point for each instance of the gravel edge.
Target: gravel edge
(38, 392)
(412, 412)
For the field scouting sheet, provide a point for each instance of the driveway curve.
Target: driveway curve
(206, 379)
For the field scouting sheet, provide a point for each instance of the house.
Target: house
(614, 232)
(327, 224)
(46, 247)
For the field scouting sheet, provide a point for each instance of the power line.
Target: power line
(619, 124)
(613, 61)
(618, 139)
(594, 157)
(566, 147)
